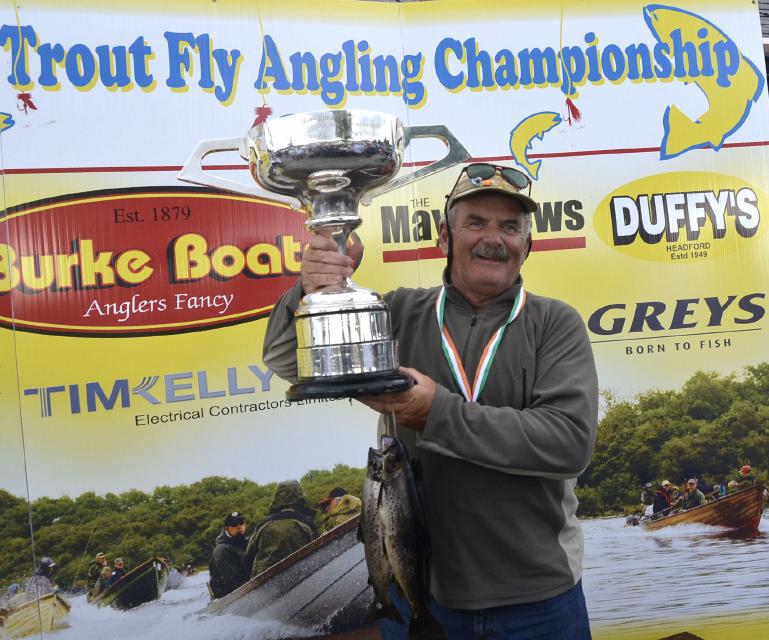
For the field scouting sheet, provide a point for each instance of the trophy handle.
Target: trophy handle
(193, 172)
(456, 153)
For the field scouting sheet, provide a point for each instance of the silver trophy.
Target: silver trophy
(325, 164)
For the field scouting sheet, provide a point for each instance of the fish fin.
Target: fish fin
(425, 627)
(378, 610)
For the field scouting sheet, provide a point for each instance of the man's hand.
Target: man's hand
(410, 408)
(323, 265)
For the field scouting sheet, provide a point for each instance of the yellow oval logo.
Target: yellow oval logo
(681, 217)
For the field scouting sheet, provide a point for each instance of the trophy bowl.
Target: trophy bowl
(326, 163)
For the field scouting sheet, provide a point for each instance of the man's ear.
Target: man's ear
(528, 247)
(443, 237)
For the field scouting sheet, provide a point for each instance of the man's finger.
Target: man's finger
(327, 257)
(311, 268)
(323, 279)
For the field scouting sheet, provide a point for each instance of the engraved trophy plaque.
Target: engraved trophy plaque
(326, 163)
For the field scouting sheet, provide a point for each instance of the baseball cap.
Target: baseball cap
(666, 483)
(745, 469)
(234, 519)
(480, 177)
(691, 481)
(101, 555)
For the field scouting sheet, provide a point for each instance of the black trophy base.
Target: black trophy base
(372, 386)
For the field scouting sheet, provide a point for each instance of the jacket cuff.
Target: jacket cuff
(293, 296)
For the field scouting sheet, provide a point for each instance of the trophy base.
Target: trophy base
(391, 383)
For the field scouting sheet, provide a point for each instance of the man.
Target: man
(10, 598)
(661, 497)
(500, 458)
(647, 496)
(41, 582)
(744, 480)
(104, 581)
(289, 525)
(338, 507)
(227, 566)
(94, 569)
(694, 497)
(118, 571)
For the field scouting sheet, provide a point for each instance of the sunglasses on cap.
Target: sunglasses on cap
(484, 171)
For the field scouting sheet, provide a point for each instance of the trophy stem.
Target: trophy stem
(341, 236)
(339, 229)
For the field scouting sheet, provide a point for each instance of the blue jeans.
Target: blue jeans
(563, 617)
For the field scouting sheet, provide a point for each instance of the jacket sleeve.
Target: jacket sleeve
(553, 437)
(279, 352)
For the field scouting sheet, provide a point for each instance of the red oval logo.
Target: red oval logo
(145, 261)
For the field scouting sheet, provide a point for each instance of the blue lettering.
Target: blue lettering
(232, 383)
(179, 60)
(80, 65)
(271, 66)
(172, 387)
(93, 391)
(20, 39)
(445, 47)
(203, 386)
(264, 376)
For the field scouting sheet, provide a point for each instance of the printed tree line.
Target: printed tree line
(708, 428)
(178, 523)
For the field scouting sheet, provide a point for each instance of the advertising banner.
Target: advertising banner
(136, 408)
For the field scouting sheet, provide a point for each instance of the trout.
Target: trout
(406, 540)
(371, 535)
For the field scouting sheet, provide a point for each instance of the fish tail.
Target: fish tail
(425, 627)
(379, 610)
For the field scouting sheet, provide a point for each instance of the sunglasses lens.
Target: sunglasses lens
(515, 178)
(480, 171)
(483, 171)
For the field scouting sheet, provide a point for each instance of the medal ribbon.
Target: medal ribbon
(487, 357)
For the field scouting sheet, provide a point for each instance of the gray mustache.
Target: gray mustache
(491, 252)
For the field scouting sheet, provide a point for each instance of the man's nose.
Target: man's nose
(493, 234)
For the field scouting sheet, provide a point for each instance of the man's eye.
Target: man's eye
(510, 227)
(475, 224)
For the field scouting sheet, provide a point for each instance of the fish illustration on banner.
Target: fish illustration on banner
(730, 92)
(531, 128)
(6, 121)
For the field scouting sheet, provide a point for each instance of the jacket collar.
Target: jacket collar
(502, 302)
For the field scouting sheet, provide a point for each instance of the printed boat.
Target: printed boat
(142, 584)
(42, 615)
(739, 511)
(322, 587)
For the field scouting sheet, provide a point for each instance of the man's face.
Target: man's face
(490, 243)
(692, 486)
(237, 529)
